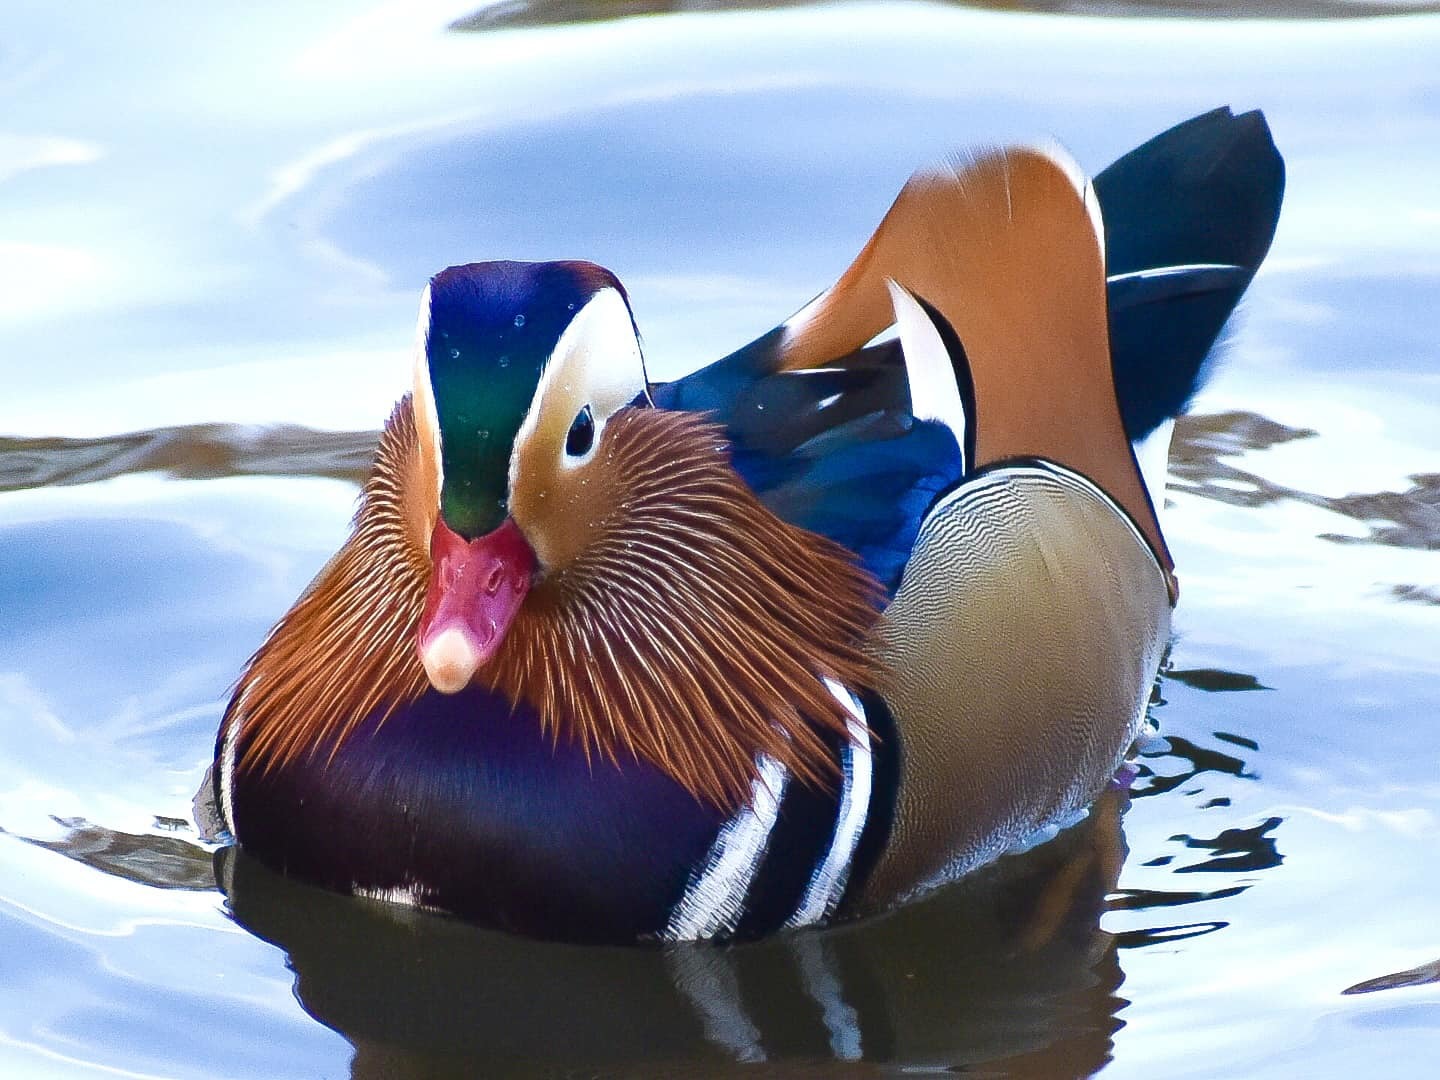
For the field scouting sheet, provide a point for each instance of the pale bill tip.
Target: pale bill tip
(450, 659)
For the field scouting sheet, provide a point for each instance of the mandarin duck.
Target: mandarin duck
(802, 635)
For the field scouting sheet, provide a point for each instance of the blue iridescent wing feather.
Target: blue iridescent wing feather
(835, 450)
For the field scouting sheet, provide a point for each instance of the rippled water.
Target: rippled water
(213, 219)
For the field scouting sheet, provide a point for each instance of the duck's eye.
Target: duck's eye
(582, 433)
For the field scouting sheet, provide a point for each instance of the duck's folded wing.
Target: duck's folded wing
(1024, 638)
(835, 450)
(946, 257)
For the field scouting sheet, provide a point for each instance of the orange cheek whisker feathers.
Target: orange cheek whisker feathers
(346, 649)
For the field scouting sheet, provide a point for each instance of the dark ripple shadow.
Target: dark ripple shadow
(1423, 975)
(1240, 851)
(515, 14)
(1235, 850)
(1195, 759)
(1232, 851)
(1415, 594)
(1215, 680)
(1170, 935)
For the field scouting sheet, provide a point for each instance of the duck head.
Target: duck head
(536, 531)
(519, 368)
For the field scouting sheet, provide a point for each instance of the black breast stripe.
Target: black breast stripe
(885, 756)
(799, 842)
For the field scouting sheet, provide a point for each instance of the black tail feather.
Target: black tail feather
(1207, 191)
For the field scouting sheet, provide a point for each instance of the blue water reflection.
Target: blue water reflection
(209, 217)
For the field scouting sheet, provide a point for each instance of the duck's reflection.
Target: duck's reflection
(1009, 968)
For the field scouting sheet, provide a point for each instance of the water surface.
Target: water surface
(214, 227)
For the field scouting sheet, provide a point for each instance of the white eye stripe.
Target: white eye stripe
(598, 353)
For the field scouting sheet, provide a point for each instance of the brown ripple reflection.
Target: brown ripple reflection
(1408, 519)
(193, 452)
(511, 14)
(162, 862)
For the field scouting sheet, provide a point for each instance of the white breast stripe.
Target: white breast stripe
(827, 884)
(715, 899)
